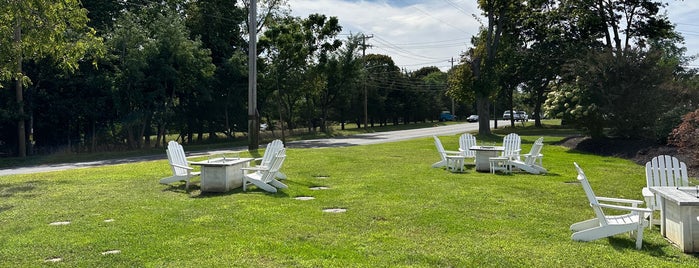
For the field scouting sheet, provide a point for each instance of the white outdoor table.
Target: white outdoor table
(679, 216)
(483, 154)
(222, 174)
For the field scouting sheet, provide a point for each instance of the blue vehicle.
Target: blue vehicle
(446, 116)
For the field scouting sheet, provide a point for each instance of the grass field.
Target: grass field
(400, 213)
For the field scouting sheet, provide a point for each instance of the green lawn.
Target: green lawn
(400, 213)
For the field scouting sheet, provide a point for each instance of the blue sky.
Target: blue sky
(430, 32)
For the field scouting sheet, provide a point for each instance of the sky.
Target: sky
(424, 33)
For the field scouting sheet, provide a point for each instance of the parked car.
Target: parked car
(506, 115)
(446, 116)
(521, 116)
(263, 126)
(472, 118)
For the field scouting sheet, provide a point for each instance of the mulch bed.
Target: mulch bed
(639, 151)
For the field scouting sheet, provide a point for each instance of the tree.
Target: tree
(611, 82)
(343, 75)
(41, 29)
(162, 75)
(483, 59)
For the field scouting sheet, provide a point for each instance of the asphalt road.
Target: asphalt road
(360, 139)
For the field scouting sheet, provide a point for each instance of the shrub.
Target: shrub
(686, 136)
(668, 121)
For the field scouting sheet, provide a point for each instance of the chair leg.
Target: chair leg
(639, 236)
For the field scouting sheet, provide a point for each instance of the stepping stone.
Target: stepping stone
(54, 259)
(321, 176)
(116, 251)
(335, 210)
(109, 220)
(59, 223)
(305, 198)
(316, 188)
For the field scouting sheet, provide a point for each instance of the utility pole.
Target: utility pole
(253, 125)
(452, 99)
(366, 93)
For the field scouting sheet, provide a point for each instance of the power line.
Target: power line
(440, 20)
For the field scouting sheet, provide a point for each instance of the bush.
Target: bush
(668, 121)
(686, 136)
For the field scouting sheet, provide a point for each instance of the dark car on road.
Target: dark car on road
(446, 116)
(472, 118)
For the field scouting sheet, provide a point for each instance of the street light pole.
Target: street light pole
(253, 125)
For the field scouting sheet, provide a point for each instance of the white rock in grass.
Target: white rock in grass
(305, 198)
(335, 210)
(59, 223)
(109, 220)
(319, 188)
(116, 251)
(54, 259)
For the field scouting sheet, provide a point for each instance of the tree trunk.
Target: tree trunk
(21, 138)
(483, 106)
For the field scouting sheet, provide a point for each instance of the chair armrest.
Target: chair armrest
(181, 166)
(634, 209)
(257, 159)
(256, 168)
(647, 193)
(452, 152)
(620, 200)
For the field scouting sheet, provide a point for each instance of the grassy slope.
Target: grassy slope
(400, 212)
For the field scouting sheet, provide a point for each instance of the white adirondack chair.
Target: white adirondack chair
(442, 153)
(513, 145)
(605, 226)
(663, 170)
(532, 160)
(264, 176)
(181, 171)
(272, 150)
(466, 141)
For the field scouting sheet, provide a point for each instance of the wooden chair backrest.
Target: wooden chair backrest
(274, 166)
(512, 143)
(272, 149)
(466, 141)
(440, 148)
(176, 156)
(591, 197)
(534, 152)
(665, 170)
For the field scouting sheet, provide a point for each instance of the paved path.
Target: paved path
(360, 139)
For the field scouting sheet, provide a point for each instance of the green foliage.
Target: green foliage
(48, 29)
(161, 73)
(400, 213)
(620, 91)
(572, 103)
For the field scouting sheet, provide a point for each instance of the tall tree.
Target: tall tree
(484, 57)
(41, 29)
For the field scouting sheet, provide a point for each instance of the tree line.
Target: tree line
(96, 75)
(152, 70)
(609, 67)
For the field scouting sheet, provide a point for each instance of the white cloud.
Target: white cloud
(429, 33)
(415, 35)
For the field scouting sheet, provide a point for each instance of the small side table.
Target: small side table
(455, 163)
(499, 164)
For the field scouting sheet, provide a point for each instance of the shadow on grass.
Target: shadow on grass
(197, 193)
(9, 190)
(625, 242)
